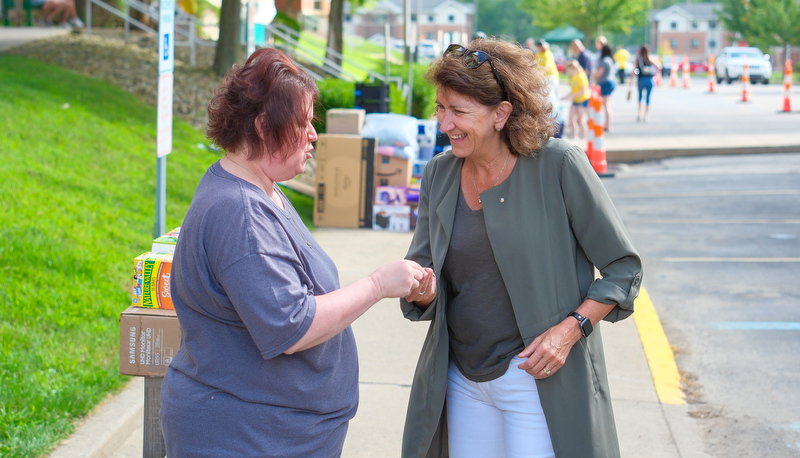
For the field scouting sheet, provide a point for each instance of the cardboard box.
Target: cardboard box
(392, 218)
(151, 281)
(392, 171)
(148, 341)
(344, 121)
(345, 180)
(166, 243)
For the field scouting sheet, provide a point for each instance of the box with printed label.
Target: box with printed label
(151, 281)
(392, 171)
(344, 120)
(391, 195)
(392, 218)
(345, 174)
(148, 341)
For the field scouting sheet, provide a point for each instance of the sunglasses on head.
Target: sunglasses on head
(473, 59)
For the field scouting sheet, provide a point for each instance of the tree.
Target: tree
(592, 17)
(505, 18)
(764, 23)
(335, 31)
(228, 45)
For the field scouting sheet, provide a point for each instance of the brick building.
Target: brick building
(689, 28)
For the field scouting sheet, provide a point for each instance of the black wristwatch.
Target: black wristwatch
(586, 324)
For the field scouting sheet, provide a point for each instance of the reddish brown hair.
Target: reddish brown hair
(269, 89)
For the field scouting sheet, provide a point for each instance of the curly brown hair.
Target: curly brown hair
(531, 121)
(269, 89)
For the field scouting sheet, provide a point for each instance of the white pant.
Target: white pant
(499, 418)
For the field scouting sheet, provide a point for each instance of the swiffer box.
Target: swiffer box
(148, 340)
(151, 280)
(345, 174)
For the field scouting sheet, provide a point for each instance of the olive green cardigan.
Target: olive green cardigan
(551, 228)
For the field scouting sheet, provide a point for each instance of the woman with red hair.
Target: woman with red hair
(267, 364)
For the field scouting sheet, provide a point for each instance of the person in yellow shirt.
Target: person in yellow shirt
(621, 58)
(546, 59)
(579, 94)
(548, 63)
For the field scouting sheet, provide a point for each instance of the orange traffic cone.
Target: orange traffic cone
(591, 123)
(686, 71)
(657, 77)
(597, 153)
(787, 86)
(712, 74)
(745, 82)
(673, 72)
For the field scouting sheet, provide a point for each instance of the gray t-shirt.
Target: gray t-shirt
(607, 64)
(244, 280)
(484, 336)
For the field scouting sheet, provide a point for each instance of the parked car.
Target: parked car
(698, 67)
(731, 60)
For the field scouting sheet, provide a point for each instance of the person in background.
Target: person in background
(267, 364)
(580, 54)
(579, 95)
(548, 63)
(644, 70)
(513, 223)
(604, 77)
(621, 57)
(51, 10)
(599, 42)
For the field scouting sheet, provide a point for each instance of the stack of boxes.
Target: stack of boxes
(149, 331)
(353, 179)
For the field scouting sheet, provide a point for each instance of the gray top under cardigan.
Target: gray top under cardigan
(553, 226)
(483, 335)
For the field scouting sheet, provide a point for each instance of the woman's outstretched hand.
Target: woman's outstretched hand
(398, 278)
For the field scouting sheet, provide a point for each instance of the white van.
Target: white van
(730, 64)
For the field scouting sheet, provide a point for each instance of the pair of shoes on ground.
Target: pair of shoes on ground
(642, 118)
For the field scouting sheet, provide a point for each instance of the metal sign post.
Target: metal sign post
(166, 67)
(153, 445)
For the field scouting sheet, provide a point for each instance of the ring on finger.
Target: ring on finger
(546, 370)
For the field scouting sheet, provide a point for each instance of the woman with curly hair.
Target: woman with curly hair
(513, 223)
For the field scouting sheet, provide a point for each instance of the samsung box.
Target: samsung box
(148, 340)
(345, 180)
(345, 120)
(392, 171)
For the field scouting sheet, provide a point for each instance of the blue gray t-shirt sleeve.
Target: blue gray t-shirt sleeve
(278, 306)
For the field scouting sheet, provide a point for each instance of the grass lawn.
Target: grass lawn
(77, 186)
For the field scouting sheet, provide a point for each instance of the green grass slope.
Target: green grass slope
(77, 187)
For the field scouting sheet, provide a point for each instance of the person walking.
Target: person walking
(267, 364)
(644, 70)
(621, 57)
(513, 223)
(580, 54)
(604, 77)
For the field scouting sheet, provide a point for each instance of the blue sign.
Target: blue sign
(166, 46)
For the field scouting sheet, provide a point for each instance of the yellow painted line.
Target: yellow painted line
(659, 354)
